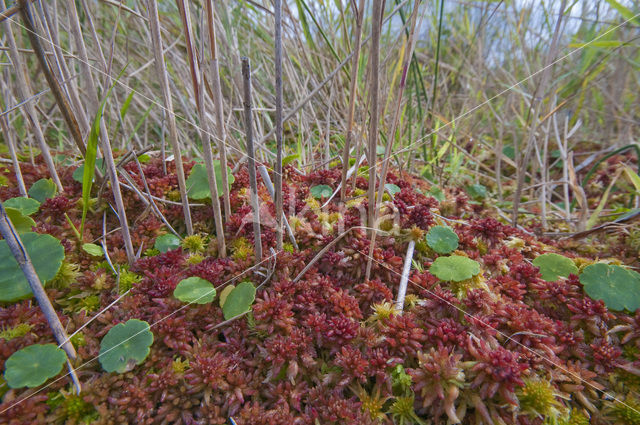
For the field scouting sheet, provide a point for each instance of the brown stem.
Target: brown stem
(246, 76)
(59, 96)
(278, 173)
(352, 98)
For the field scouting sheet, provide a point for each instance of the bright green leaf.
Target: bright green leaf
(42, 190)
(553, 266)
(93, 249)
(21, 222)
(224, 294)
(392, 188)
(454, 268)
(198, 181)
(618, 287)
(46, 253)
(27, 206)
(195, 290)
(477, 192)
(33, 365)
(442, 239)
(167, 242)
(239, 300)
(290, 158)
(321, 191)
(125, 346)
(437, 193)
(79, 172)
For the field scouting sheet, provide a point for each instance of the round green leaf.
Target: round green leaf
(33, 365)
(125, 346)
(21, 222)
(618, 287)
(455, 268)
(437, 193)
(553, 266)
(167, 242)
(239, 300)
(46, 253)
(321, 191)
(198, 181)
(42, 190)
(224, 294)
(477, 192)
(392, 188)
(78, 174)
(442, 239)
(27, 206)
(93, 249)
(195, 290)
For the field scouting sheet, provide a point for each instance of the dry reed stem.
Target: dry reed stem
(374, 83)
(278, 84)
(22, 85)
(411, 42)
(56, 90)
(246, 76)
(161, 73)
(219, 110)
(105, 143)
(406, 269)
(211, 173)
(534, 109)
(352, 96)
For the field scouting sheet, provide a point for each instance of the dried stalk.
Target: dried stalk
(267, 182)
(536, 104)
(4, 125)
(211, 174)
(61, 100)
(22, 257)
(406, 269)
(376, 23)
(30, 111)
(246, 76)
(411, 42)
(71, 89)
(105, 143)
(278, 173)
(319, 87)
(163, 78)
(352, 97)
(198, 88)
(217, 102)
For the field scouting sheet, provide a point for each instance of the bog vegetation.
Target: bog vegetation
(312, 212)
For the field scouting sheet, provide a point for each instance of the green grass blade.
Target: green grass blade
(91, 154)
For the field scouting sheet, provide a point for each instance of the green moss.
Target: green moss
(288, 247)
(90, 303)
(195, 259)
(17, 331)
(538, 399)
(241, 248)
(627, 413)
(403, 413)
(179, 366)
(67, 275)
(372, 403)
(194, 244)
(575, 418)
(78, 340)
(127, 280)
